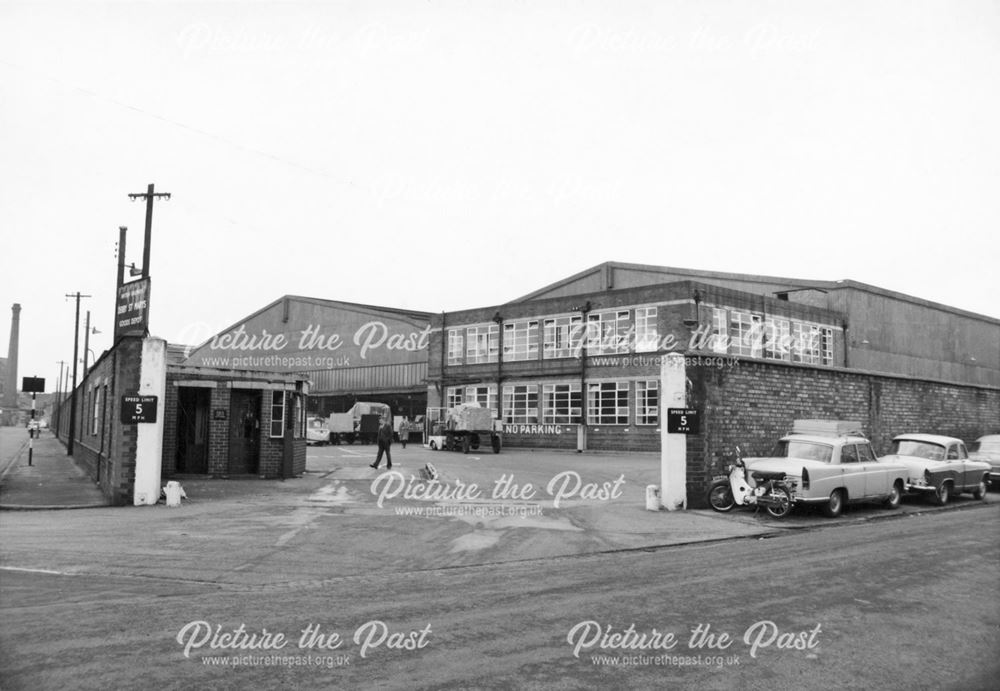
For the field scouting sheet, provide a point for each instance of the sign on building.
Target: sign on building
(137, 409)
(682, 421)
(132, 314)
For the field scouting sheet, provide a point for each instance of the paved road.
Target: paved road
(907, 603)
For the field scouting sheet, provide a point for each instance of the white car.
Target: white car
(938, 466)
(317, 431)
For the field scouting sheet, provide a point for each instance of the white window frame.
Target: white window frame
(95, 398)
(520, 340)
(777, 339)
(485, 396)
(482, 344)
(746, 333)
(647, 336)
(520, 404)
(646, 412)
(719, 340)
(611, 335)
(561, 404)
(599, 411)
(278, 420)
(455, 346)
(826, 345)
(561, 337)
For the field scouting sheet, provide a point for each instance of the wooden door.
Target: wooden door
(244, 432)
(192, 429)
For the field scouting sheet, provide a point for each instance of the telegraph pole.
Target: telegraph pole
(86, 344)
(59, 390)
(149, 196)
(76, 356)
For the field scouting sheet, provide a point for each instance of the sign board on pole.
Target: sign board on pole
(137, 409)
(132, 314)
(682, 421)
(33, 384)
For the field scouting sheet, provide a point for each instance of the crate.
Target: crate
(828, 428)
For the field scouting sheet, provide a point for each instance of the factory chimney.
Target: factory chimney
(10, 386)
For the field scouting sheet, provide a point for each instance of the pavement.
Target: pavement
(488, 509)
(52, 481)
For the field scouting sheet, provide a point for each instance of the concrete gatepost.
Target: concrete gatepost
(673, 447)
(149, 435)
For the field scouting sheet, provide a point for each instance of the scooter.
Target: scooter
(745, 488)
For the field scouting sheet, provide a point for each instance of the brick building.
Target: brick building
(576, 364)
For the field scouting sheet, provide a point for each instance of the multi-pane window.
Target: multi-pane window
(520, 404)
(454, 346)
(481, 344)
(745, 332)
(607, 332)
(777, 337)
(520, 340)
(277, 413)
(647, 337)
(826, 345)
(455, 396)
(485, 396)
(561, 337)
(719, 339)
(561, 404)
(806, 343)
(647, 411)
(607, 403)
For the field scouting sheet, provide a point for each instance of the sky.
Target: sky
(447, 155)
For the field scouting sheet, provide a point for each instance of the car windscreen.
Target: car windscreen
(809, 450)
(917, 449)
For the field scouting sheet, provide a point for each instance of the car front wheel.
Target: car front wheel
(895, 497)
(835, 506)
(980, 491)
(943, 494)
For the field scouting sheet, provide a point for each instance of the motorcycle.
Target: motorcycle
(744, 487)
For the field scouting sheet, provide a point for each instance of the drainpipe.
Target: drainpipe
(581, 440)
(498, 320)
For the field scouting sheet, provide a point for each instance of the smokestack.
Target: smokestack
(10, 386)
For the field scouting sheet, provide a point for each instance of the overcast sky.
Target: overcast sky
(447, 155)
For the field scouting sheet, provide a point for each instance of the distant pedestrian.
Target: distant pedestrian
(384, 439)
(404, 432)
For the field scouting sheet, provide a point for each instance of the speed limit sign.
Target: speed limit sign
(138, 409)
(682, 421)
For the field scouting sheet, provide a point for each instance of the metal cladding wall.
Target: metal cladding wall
(343, 347)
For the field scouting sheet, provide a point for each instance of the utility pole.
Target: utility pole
(59, 390)
(149, 196)
(121, 259)
(76, 356)
(86, 344)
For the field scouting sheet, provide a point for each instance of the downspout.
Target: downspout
(581, 442)
(499, 322)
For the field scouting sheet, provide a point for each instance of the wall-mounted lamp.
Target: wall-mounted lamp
(694, 319)
(132, 271)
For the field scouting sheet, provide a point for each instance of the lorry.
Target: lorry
(462, 428)
(360, 423)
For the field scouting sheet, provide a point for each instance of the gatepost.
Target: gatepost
(673, 446)
(149, 435)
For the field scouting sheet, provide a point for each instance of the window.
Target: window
(647, 338)
(719, 340)
(485, 396)
(561, 337)
(481, 344)
(865, 453)
(300, 417)
(647, 402)
(454, 347)
(849, 454)
(96, 397)
(520, 341)
(746, 333)
(826, 344)
(607, 332)
(777, 335)
(455, 396)
(607, 403)
(561, 404)
(520, 404)
(805, 347)
(277, 414)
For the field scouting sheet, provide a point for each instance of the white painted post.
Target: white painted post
(149, 435)
(673, 447)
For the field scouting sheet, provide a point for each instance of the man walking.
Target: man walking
(404, 432)
(384, 439)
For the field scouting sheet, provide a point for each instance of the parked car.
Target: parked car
(988, 449)
(833, 471)
(317, 431)
(938, 466)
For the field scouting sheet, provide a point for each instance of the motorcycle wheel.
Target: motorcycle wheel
(780, 504)
(720, 497)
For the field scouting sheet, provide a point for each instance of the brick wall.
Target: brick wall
(754, 403)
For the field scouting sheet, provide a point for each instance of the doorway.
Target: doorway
(244, 432)
(192, 429)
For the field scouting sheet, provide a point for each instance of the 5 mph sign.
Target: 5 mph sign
(138, 409)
